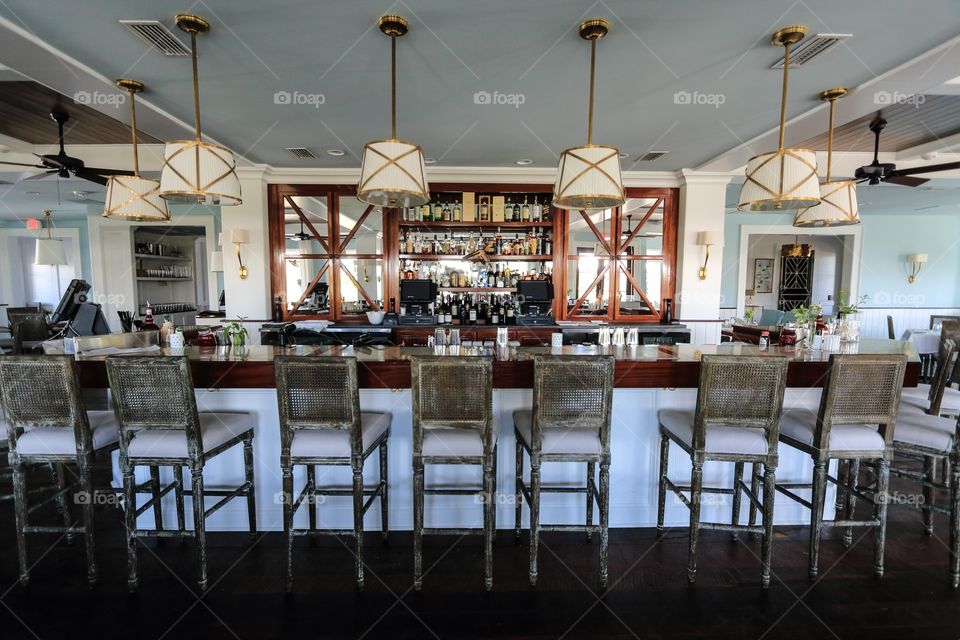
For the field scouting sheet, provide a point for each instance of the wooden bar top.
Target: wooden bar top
(655, 366)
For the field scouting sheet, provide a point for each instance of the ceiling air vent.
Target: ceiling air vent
(300, 153)
(650, 156)
(154, 33)
(810, 48)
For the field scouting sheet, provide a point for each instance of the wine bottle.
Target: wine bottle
(457, 212)
(525, 212)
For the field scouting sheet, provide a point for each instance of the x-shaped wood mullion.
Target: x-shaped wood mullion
(303, 217)
(596, 281)
(359, 287)
(596, 232)
(313, 283)
(633, 281)
(356, 227)
(643, 221)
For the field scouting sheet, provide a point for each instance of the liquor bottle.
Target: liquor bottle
(148, 324)
(425, 212)
(484, 212)
(525, 212)
(545, 214)
(278, 309)
(457, 212)
(511, 313)
(536, 211)
(446, 212)
(495, 312)
(437, 210)
(455, 310)
(472, 313)
(508, 210)
(546, 245)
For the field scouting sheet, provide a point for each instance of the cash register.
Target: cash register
(536, 303)
(416, 302)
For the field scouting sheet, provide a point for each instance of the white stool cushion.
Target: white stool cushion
(719, 439)
(452, 443)
(920, 396)
(558, 439)
(215, 429)
(807, 398)
(799, 425)
(335, 443)
(916, 427)
(61, 441)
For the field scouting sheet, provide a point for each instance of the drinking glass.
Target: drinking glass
(633, 337)
(604, 338)
(454, 337)
(618, 337)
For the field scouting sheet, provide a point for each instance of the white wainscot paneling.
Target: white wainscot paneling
(873, 321)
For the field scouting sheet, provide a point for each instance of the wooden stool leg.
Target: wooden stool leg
(816, 515)
(358, 521)
(287, 482)
(418, 525)
(517, 493)
(130, 520)
(754, 489)
(591, 474)
(769, 496)
(929, 494)
(489, 520)
(60, 480)
(534, 519)
(178, 494)
(883, 486)
(251, 485)
(850, 500)
(384, 492)
(662, 494)
(199, 523)
(21, 510)
(737, 495)
(604, 522)
(155, 494)
(696, 489)
(86, 484)
(954, 521)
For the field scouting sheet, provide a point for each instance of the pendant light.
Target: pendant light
(194, 171)
(134, 197)
(49, 250)
(838, 198)
(785, 178)
(393, 173)
(588, 177)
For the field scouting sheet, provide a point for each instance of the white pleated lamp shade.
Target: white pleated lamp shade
(588, 178)
(837, 208)
(216, 261)
(196, 172)
(393, 175)
(50, 251)
(136, 198)
(781, 180)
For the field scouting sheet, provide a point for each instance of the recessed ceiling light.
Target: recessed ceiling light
(524, 161)
(624, 154)
(336, 152)
(33, 193)
(429, 161)
(80, 194)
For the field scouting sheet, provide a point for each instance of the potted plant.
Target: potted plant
(236, 333)
(848, 316)
(749, 314)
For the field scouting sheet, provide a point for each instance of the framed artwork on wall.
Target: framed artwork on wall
(763, 275)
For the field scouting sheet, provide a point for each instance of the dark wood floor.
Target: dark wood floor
(648, 597)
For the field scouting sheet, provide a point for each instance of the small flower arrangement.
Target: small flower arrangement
(845, 306)
(235, 332)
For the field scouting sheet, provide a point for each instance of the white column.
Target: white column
(249, 297)
(702, 200)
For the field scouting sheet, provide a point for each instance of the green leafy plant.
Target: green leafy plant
(749, 314)
(805, 314)
(236, 332)
(845, 306)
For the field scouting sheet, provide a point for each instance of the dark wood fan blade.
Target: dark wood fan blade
(92, 177)
(41, 176)
(930, 168)
(906, 181)
(108, 172)
(49, 161)
(23, 164)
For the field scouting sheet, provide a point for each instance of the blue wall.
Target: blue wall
(887, 239)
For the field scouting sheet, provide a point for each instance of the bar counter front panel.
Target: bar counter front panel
(648, 378)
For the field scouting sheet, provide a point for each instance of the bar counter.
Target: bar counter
(384, 367)
(648, 379)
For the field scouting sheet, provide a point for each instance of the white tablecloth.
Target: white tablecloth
(924, 340)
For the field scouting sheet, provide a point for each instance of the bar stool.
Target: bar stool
(160, 427)
(737, 419)
(855, 423)
(453, 424)
(321, 424)
(939, 397)
(569, 422)
(47, 424)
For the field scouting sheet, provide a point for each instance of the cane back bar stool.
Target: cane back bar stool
(855, 424)
(47, 424)
(160, 427)
(453, 424)
(569, 422)
(736, 419)
(940, 397)
(321, 424)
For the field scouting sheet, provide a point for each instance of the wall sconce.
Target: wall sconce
(239, 237)
(916, 261)
(705, 239)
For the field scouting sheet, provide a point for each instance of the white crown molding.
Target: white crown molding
(692, 177)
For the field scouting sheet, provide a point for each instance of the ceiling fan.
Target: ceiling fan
(877, 172)
(65, 166)
(302, 237)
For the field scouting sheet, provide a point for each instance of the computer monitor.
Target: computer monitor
(75, 295)
(418, 291)
(89, 321)
(535, 291)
